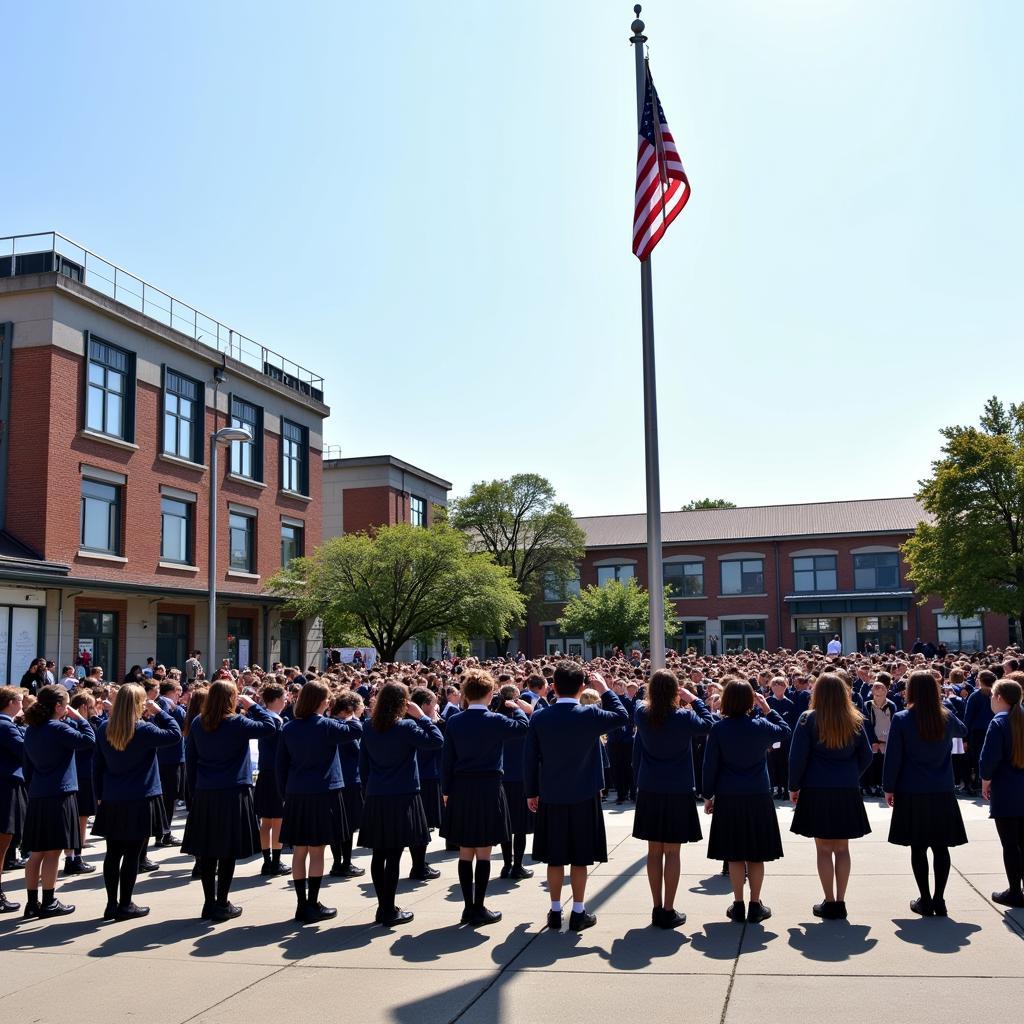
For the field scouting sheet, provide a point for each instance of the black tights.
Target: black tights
(342, 852)
(419, 858)
(384, 873)
(919, 865)
(512, 853)
(1011, 835)
(217, 876)
(121, 867)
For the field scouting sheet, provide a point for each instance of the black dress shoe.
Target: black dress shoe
(839, 909)
(267, 870)
(56, 909)
(225, 912)
(482, 916)
(72, 866)
(520, 872)
(505, 872)
(758, 912)
(168, 840)
(352, 871)
(467, 916)
(656, 916)
(824, 910)
(31, 910)
(130, 912)
(395, 917)
(110, 912)
(313, 913)
(671, 919)
(737, 912)
(207, 912)
(579, 920)
(922, 906)
(425, 874)
(939, 908)
(1009, 898)
(147, 865)
(555, 920)
(8, 906)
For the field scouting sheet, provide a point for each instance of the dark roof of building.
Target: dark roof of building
(759, 522)
(386, 460)
(18, 557)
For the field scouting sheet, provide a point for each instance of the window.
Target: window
(743, 634)
(101, 517)
(292, 542)
(814, 572)
(959, 634)
(175, 531)
(247, 456)
(294, 458)
(607, 573)
(240, 528)
(291, 642)
(417, 511)
(684, 579)
(881, 632)
(743, 576)
(880, 571)
(691, 637)
(183, 405)
(560, 590)
(110, 390)
(816, 632)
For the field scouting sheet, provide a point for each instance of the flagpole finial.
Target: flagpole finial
(638, 27)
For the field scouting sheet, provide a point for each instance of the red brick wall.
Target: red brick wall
(363, 508)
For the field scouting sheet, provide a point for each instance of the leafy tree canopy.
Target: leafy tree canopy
(613, 615)
(699, 503)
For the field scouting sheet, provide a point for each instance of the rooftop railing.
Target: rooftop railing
(51, 251)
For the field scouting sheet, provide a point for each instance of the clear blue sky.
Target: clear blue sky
(430, 204)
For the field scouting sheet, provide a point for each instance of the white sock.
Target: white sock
(578, 908)
(556, 906)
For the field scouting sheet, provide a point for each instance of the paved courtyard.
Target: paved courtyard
(882, 964)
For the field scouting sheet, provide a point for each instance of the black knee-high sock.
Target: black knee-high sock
(391, 868)
(266, 857)
(129, 872)
(419, 858)
(208, 873)
(346, 852)
(112, 868)
(225, 875)
(1013, 854)
(314, 888)
(377, 876)
(919, 865)
(518, 849)
(300, 893)
(506, 855)
(482, 876)
(336, 854)
(940, 855)
(466, 881)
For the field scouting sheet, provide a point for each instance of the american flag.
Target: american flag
(662, 188)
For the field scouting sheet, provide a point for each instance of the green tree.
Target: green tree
(699, 503)
(613, 615)
(522, 525)
(972, 552)
(398, 583)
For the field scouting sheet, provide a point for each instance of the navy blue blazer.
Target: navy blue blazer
(625, 734)
(734, 755)
(978, 712)
(996, 764)
(428, 762)
(562, 757)
(220, 759)
(268, 747)
(913, 765)
(387, 760)
(449, 711)
(473, 743)
(801, 701)
(307, 753)
(12, 752)
(348, 753)
(133, 773)
(173, 754)
(812, 765)
(663, 755)
(785, 708)
(50, 751)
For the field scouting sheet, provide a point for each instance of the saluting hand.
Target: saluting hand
(685, 697)
(245, 702)
(761, 702)
(413, 710)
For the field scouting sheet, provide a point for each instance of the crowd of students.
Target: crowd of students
(490, 754)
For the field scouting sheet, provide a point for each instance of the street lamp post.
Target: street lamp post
(223, 436)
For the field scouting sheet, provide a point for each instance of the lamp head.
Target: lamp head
(228, 434)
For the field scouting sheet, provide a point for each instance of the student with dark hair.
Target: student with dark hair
(520, 818)
(429, 764)
(666, 815)
(171, 758)
(13, 801)
(918, 780)
(348, 706)
(74, 864)
(977, 715)
(564, 779)
(267, 798)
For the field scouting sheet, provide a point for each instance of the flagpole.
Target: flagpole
(655, 578)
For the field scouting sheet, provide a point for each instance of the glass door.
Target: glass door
(171, 640)
(97, 643)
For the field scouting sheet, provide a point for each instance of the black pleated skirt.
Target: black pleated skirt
(131, 820)
(433, 807)
(13, 808)
(830, 814)
(314, 819)
(926, 819)
(521, 820)
(476, 813)
(392, 822)
(222, 824)
(744, 826)
(86, 798)
(267, 797)
(666, 818)
(570, 833)
(353, 797)
(51, 823)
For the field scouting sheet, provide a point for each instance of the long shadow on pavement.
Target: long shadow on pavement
(935, 934)
(831, 941)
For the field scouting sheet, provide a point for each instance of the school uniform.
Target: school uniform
(393, 815)
(266, 795)
(476, 812)
(127, 782)
(51, 822)
(977, 716)
(13, 798)
(663, 766)
(1007, 800)
(521, 819)
(218, 772)
(778, 756)
(171, 760)
(309, 775)
(920, 775)
(619, 747)
(878, 721)
(744, 825)
(830, 805)
(352, 793)
(562, 766)
(429, 764)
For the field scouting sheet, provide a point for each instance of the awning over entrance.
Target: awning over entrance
(885, 602)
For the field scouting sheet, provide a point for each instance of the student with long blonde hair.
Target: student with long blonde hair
(126, 778)
(829, 753)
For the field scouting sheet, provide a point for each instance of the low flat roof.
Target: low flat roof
(360, 461)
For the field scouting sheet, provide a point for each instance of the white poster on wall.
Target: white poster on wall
(24, 639)
(243, 652)
(5, 650)
(347, 655)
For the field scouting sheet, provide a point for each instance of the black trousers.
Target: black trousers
(975, 741)
(170, 776)
(778, 766)
(621, 757)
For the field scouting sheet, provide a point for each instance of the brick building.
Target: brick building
(774, 576)
(109, 391)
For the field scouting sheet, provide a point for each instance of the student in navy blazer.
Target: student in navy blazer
(13, 802)
(268, 799)
(221, 826)
(977, 715)
(126, 777)
(520, 818)
(393, 816)
(778, 756)
(666, 815)
(309, 776)
(171, 759)
(918, 780)
(619, 746)
(348, 706)
(55, 732)
(428, 763)
(564, 779)
(476, 811)
(1002, 784)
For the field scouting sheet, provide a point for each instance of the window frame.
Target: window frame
(189, 517)
(126, 426)
(744, 591)
(250, 528)
(301, 458)
(685, 572)
(959, 629)
(422, 512)
(875, 568)
(196, 421)
(616, 568)
(255, 426)
(115, 516)
(814, 573)
(300, 541)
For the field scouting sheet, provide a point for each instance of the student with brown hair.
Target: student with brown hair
(13, 801)
(829, 753)
(267, 798)
(348, 706)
